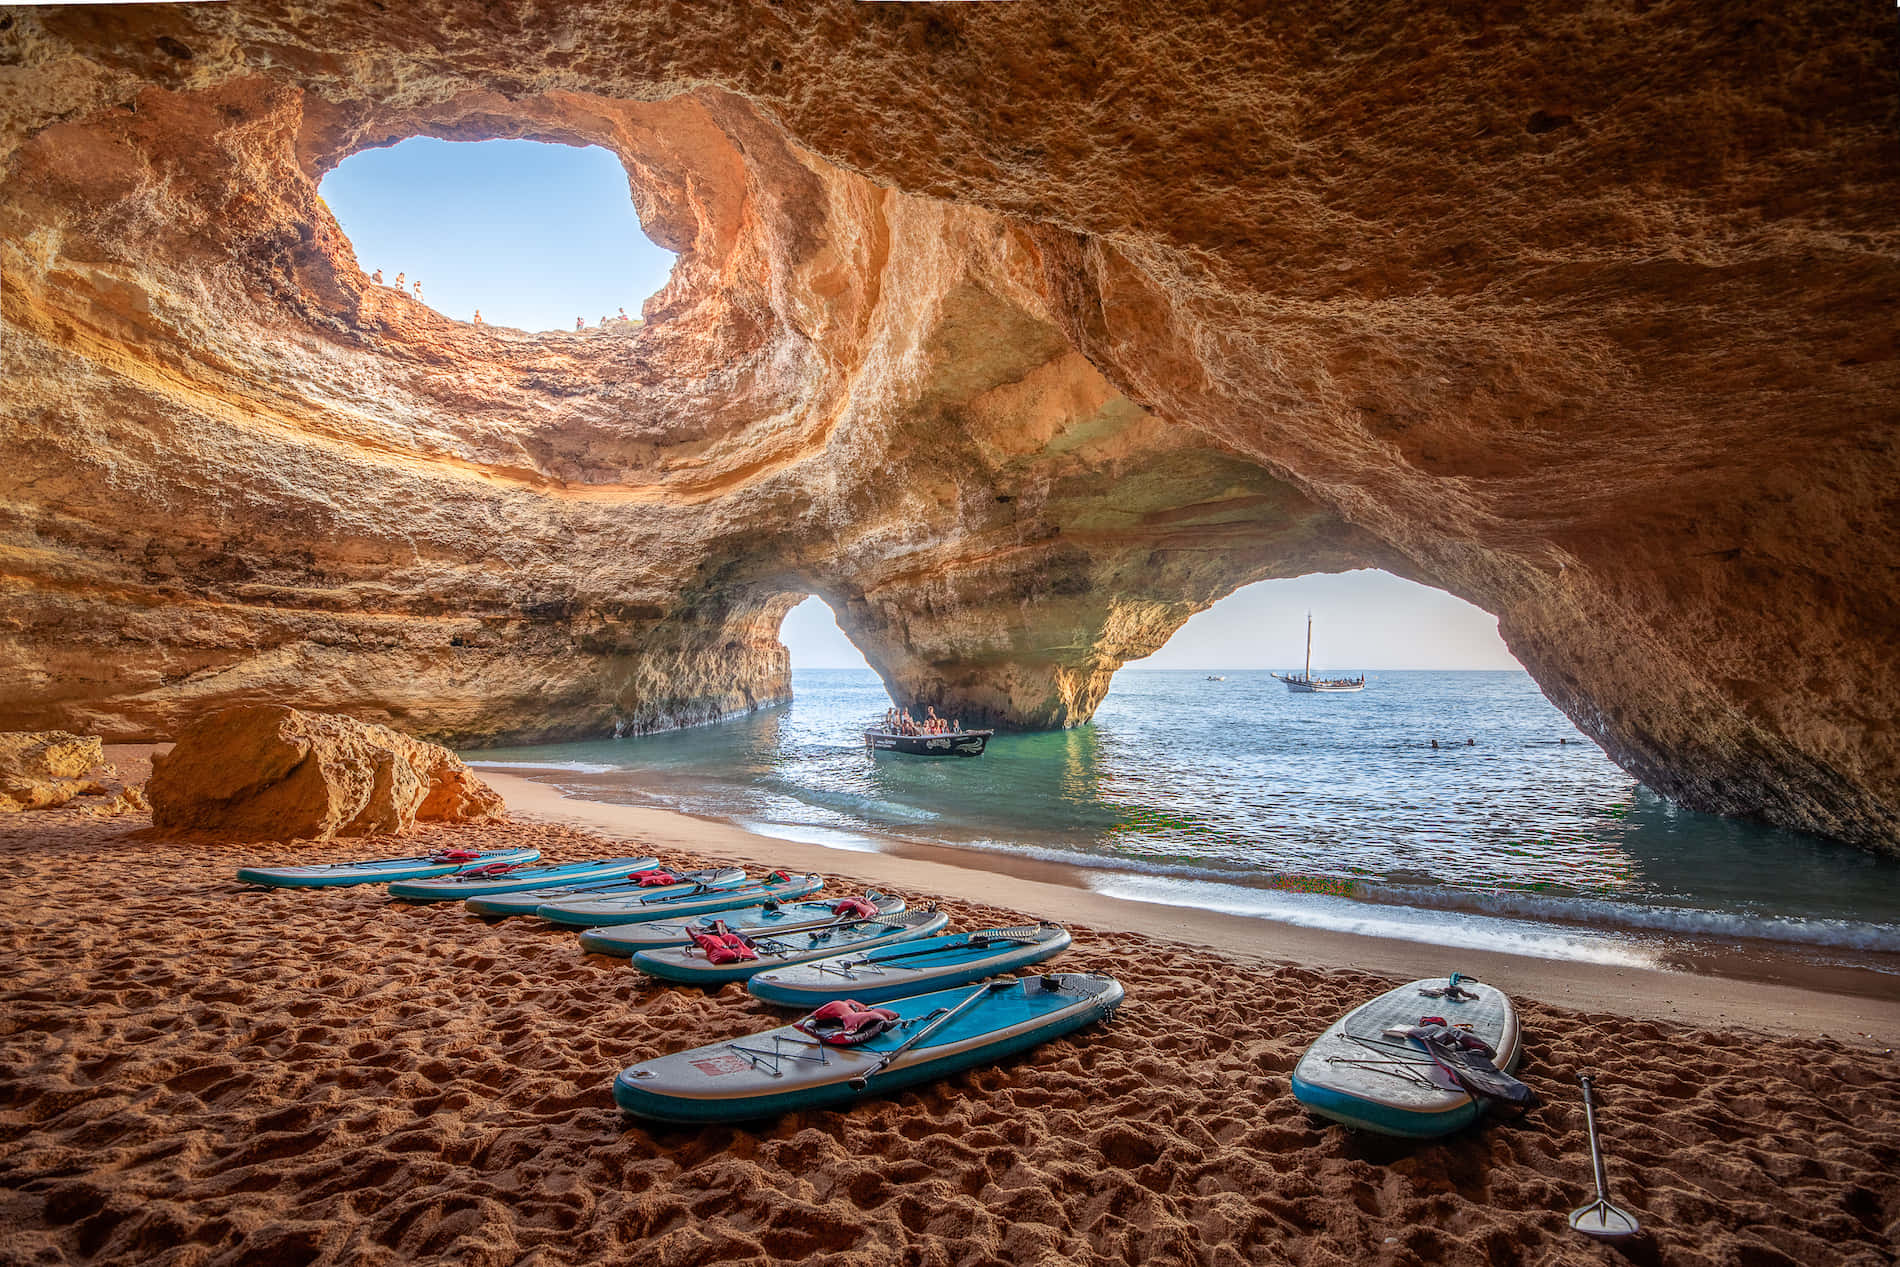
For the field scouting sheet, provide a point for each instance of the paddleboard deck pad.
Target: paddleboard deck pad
(789, 917)
(786, 1068)
(637, 908)
(379, 870)
(929, 963)
(690, 965)
(496, 879)
(1356, 1075)
(527, 901)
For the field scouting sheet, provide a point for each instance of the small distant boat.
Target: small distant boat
(1307, 684)
(957, 743)
(1217, 677)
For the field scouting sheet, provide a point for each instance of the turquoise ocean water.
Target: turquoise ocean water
(1327, 811)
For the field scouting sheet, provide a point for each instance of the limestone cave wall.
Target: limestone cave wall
(1018, 332)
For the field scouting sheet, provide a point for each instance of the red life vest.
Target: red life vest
(847, 1022)
(721, 945)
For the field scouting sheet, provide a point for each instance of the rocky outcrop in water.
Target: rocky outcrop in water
(1019, 333)
(265, 772)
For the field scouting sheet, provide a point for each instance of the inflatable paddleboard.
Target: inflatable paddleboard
(378, 870)
(636, 908)
(1357, 1076)
(929, 963)
(936, 1035)
(775, 917)
(507, 877)
(689, 963)
(493, 905)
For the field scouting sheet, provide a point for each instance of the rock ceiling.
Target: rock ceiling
(1018, 332)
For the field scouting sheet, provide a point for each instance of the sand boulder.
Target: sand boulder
(274, 773)
(47, 768)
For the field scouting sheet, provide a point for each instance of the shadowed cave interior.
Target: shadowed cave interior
(1014, 418)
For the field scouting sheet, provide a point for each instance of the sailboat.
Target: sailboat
(1307, 684)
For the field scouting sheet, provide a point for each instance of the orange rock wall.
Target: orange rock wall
(1018, 332)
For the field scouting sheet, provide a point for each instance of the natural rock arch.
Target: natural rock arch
(999, 327)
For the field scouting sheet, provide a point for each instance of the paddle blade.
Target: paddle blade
(1604, 1220)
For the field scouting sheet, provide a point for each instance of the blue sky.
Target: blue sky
(534, 235)
(1361, 620)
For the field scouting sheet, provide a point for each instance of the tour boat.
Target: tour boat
(956, 743)
(1307, 684)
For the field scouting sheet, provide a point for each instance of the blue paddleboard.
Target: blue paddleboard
(774, 917)
(465, 884)
(938, 1034)
(635, 908)
(688, 964)
(1355, 1075)
(929, 963)
(375, 871)
(494, 905)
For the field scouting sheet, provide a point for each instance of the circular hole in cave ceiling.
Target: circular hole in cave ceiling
(531, 234)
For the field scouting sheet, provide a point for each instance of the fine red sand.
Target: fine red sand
(196, 1072)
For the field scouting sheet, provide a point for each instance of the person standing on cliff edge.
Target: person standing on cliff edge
(377, 277)
(478, 317)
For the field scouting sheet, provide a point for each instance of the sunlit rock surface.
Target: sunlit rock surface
(46, 769)
(266, 772)
(1017, 332)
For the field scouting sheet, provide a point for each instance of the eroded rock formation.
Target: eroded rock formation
(1018, 332)
(265, 772)
(46, 769)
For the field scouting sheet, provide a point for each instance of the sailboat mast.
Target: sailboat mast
(1309, 646)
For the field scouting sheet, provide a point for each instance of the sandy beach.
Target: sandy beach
(198, 1072)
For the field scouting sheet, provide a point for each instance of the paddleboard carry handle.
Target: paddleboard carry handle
(863, 1080)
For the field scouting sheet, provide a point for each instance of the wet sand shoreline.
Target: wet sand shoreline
(196, 1072)
(1726, 989)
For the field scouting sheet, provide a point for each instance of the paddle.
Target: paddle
(1600, 1218)
(974, 943)
(750, 892)
(622, 882)
(374, 862)
(863, 1080)
(759, 935)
